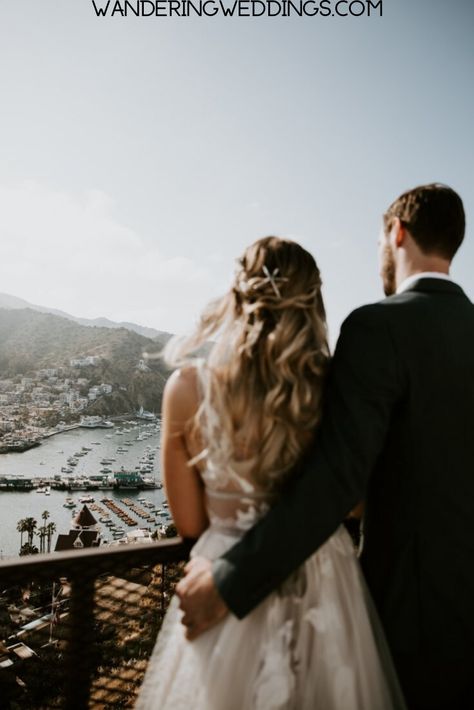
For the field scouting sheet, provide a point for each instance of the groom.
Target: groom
(398, 431)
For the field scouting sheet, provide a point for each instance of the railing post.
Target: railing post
(163, 589)
(81, 648)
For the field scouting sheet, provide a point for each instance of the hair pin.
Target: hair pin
(271, 278)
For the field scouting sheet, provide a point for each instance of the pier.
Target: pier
(28, 484)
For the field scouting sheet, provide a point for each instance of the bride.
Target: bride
(234, 429)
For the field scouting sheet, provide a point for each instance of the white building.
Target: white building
(87, 361)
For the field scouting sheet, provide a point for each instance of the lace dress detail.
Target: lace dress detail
(313, 644)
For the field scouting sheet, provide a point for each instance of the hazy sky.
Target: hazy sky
(139, 156)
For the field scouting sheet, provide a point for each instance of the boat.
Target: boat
(69, 503)
(76, 485)
(86, 499)
(144, 415)
(95, 423)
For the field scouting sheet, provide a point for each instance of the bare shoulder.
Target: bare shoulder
(182, 382)
(180, 396)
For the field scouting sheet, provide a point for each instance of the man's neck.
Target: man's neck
(407, 283)
(433, 265)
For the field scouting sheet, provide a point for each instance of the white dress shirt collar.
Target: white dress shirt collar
(410, 280)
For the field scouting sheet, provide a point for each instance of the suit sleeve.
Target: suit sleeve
(363, 387)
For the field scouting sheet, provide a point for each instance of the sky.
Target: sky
(140, 156)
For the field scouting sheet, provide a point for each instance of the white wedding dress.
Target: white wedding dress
(313, 644)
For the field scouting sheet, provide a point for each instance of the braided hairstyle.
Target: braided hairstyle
(268, 363)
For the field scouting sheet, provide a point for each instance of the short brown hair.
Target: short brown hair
(434, 216)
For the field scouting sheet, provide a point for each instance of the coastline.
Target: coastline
(21, 446)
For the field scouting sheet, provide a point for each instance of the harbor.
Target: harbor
(111, 464)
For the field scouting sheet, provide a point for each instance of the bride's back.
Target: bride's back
(258, 395)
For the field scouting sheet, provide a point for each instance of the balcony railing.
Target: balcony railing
(77, 628)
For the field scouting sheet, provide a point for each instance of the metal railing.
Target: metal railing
(77, 628)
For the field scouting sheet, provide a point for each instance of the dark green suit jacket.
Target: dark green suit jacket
(397, 431)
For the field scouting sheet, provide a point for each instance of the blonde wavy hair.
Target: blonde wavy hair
(268, 363)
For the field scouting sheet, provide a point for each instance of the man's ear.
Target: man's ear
(398, 233)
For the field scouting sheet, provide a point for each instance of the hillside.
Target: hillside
(30, 340)
(13, 302)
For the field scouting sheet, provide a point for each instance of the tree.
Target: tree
(28, 549)
(43, 530)
(30, 528)
(21, 527)
(42, 537)
(171, 530)
(50, 530)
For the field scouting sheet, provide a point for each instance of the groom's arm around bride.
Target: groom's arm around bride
(398, 431)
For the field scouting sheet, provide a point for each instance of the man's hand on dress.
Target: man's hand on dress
(200, 601)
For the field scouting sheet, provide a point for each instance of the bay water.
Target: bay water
(46, 460)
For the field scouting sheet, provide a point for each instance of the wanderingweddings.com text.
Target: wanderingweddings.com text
(237, 8)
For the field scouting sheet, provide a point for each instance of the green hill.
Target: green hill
(30, 340)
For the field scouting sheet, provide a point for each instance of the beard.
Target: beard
(388, 271)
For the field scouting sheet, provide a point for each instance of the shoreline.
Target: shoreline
(20, 447)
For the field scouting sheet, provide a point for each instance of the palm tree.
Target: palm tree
(50, 530)
(42, 532)
(42, 536)
(30, 527)
(21, 527)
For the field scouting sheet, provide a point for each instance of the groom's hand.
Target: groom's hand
(200, 601)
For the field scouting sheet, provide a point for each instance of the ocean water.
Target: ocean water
(46, 460)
